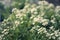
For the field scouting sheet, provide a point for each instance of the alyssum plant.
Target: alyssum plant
(33, 22)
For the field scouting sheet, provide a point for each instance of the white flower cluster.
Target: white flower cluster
(54, 35)
(42, 30)
(57, 11)
(38, 17)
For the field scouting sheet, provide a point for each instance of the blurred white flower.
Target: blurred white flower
(14, 9)
(18, 15)
(52, 34)
(56, 33)
(27, 6)
(43, 3)
(50, 5)
(58, 7)
(38, 19)
(6, 33)
(17, 23)
(48, 34)
(39, 2)
(4, 30)
(53, 21)
(51, 27)
(49, 37)
(33, 10)
(41, 30)
(57, 10)
(58, 38)
(45, 22)
(53, 37)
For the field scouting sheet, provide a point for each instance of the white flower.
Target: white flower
(59, 33)
(53, 37)
(50, 5)
(57, 10)
(58, 38)
(4, 30)
(39, 2)
(36, 12)
(32, 16)
(18, 15)
(33, 10)
(43, 3)
(24, 10)
(17, 11)
(48, 35)
(44, 22)
(17, 23)
(42, 14)
(56, 33)
(51, 27)
(58, 7)
(38, 26)
(14, 9)
(41, 30)
(27, 6)
(32, 29)
(52, 34)
(5, 33)
(38, 19)
(52, 21)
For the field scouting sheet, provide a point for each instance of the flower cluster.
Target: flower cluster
(33, 22)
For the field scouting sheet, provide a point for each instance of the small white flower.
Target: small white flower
(4, 30)
(50, 37)
(52, 34)
(50, 5)
(58, 38)
(17, 11)
(53, 37)
(51, 27)
(43, 3)
(38, 19)
(52, 21)
(18, 15)
(56, 33)
(47, 35)
(17, 23)
(14, 9)
(33, 10)
(40, 2)
(44, 22)
(5, 33)
(58, 7)
(27, 6)
(41, 30)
